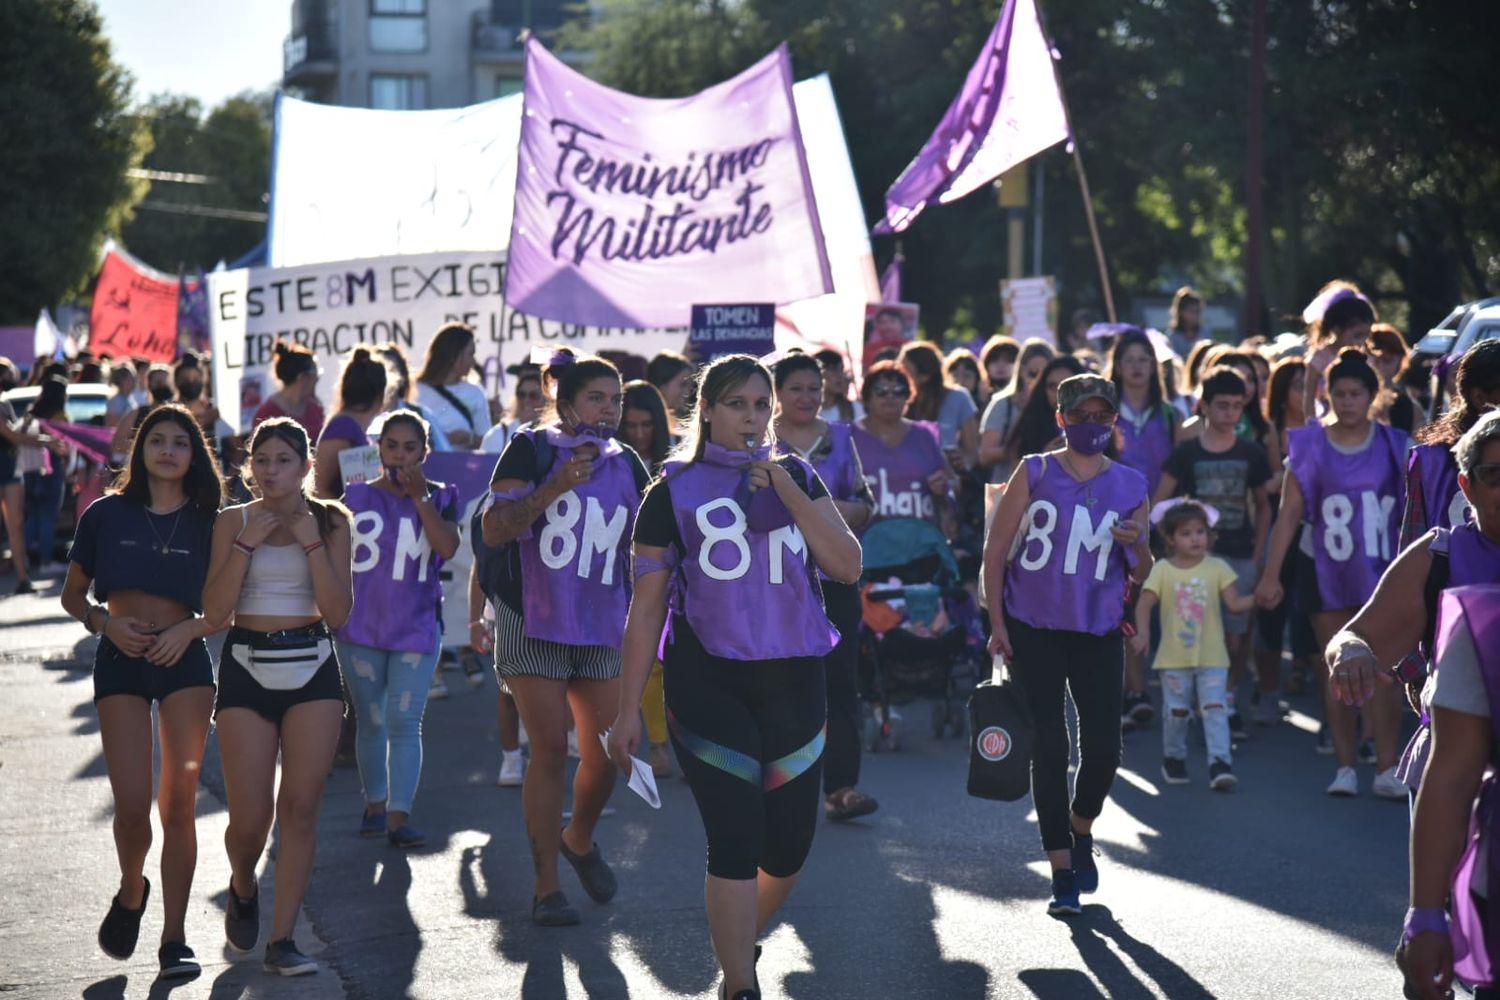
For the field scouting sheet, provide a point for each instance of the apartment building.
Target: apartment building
(412, 54)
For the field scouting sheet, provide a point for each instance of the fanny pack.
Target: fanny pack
(284, 660)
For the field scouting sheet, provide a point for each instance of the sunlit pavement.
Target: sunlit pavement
(1273, 890)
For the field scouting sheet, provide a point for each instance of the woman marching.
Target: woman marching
(280, 569)
(728, 528)
(1344, 482)
(1081, 521)
(144, 550)
(566, 492)
(829, 449)
(402, 531)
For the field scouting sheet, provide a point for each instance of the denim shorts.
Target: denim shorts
(115, 672)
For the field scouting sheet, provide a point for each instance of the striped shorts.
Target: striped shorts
(519, 656)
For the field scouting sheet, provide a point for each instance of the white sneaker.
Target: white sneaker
(512, 769)
(573, 744)
(1388, 786)
(438, 689)
(1345, 783)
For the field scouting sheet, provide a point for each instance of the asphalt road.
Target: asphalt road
(1274, 890)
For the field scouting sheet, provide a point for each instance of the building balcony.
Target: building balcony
(494, 41)
(310, 57)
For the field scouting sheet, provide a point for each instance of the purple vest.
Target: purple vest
(837, 469)
(398, 597)
(749, 595)
(898, 476)
(1352, 507)
(1067, 572)
(575, 558)
(1443, 503)
(1476, 609)
(1146, 450)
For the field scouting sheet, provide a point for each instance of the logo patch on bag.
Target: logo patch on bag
(993, 744)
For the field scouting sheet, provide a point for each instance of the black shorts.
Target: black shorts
(1309, 597)
(238, 689)
(117, 673)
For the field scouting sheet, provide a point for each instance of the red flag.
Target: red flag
(135, 311)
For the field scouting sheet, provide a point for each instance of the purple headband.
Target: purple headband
(1318, 307)
(550, 357)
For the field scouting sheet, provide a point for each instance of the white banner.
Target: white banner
(334, 308)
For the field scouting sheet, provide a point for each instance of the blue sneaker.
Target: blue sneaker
(372, 825)
(1064, 895)
(407, 837)
(1085, 871)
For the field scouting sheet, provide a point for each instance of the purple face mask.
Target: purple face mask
(602, 432)
(1088, 438)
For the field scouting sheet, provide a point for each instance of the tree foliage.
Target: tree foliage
(231, 147)
(69, 140)
(1379, 136)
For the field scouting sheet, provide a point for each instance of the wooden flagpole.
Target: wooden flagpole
(1083, 177)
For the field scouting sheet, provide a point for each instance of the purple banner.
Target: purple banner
(469, 471)
(628, 209)
(739, 329)
(1010, 109)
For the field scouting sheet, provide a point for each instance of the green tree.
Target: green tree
(184, 226)
(69, 140)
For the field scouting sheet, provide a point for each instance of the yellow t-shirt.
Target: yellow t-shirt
(1192, 617)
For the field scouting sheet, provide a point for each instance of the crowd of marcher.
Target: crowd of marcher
(1138, 504)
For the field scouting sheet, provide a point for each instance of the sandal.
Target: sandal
(848, 803)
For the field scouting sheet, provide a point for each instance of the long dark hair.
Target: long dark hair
(1242, 361)
(291, 433)
(642, 395)
(1478, 369)
(929, 382)
(202, 484)
(51, 399)
(1283, 374)
(1037, 425)
(1155, 393)
(447, 344)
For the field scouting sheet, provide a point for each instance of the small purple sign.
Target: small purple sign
(732, 329)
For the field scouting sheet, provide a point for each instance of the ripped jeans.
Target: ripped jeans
(388, 689)
(1178, 702)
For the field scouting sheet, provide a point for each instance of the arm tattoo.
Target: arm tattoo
(515, 516)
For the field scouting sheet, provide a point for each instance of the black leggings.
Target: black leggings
(1091, 668)
(749, 736)
(841, 665)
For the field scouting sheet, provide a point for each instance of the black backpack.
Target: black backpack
(499, 566)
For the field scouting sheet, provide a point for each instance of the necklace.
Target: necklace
(165, 547)
(1088, 484)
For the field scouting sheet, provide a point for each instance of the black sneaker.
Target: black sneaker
(1366, 753)
(24, 587)
(121, 927)
(242, 920)
(1221, 776)
(1138, 707)
(283, 958)
(1237, 731)
(595, 874)
(177, 961)
(1085, 869)
(1174, 771)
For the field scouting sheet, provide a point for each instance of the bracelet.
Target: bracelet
(249, 550)
(1420, 919)
(315, 546)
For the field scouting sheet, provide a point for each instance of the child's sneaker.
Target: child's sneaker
(1174, 771)
(1085, 870)
(1064, 902)
(1221, 776)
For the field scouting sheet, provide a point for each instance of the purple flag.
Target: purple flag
(890, 280)
(1010, 109)
(631, 209)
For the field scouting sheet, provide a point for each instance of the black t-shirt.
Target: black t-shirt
(518, 461)
(656, 524)
(1224, 479)
(118, 545)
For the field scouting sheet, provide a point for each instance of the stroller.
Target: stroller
(920, 634)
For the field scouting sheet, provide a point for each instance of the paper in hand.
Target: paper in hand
(642, 781)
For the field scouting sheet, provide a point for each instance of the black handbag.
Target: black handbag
(1003, 735)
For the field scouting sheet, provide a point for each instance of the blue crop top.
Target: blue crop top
(115, 546)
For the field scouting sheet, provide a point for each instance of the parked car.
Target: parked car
(1462, 329)
(86, 401)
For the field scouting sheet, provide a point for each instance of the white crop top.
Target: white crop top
(278, 581)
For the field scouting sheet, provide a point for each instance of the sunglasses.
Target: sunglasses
(1487, 475)
(891, 389)
(1089, 416)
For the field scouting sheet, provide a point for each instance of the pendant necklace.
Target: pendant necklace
(1088, 484)
(164, 548)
